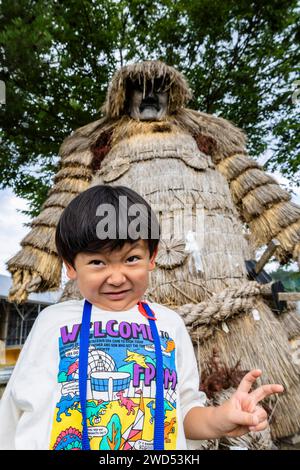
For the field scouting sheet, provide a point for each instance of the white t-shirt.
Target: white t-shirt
(40, 407)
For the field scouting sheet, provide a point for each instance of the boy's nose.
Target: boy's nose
(116, 278)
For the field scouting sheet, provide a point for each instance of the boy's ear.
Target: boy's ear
(152, 259)
(70, 271)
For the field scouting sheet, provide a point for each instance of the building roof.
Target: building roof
(45, 298)
(5, 373)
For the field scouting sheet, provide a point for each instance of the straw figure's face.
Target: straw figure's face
(115, 280)
(147, 100)
(146, 91)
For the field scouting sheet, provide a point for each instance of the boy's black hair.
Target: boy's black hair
(76, 230)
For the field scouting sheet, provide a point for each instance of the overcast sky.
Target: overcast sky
(12, 228)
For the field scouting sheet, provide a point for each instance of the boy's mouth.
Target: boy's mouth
(117, 295)
(117, 291)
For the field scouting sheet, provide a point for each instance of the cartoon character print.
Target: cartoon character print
(121, 388)
(70, 439)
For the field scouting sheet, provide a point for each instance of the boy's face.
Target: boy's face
(114, 280)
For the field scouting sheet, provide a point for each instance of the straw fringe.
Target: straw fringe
(71, 291)
(38, 255)
(226, 138)
(73, 172)
(289, 239)
(47, 265)
(247, 181)
(290, 321)
(58, 199)
(41, 237)
(261, 198)
(273, 221)
(179, 285)
(71, 185)
(264, 205)
(50, 217)
(84, 158)
(233, 166)
(296, 253)
(204, 317)
(78, 140)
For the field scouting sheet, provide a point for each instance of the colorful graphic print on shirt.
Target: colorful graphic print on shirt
(120, 389)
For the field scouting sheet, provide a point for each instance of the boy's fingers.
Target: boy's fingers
(248, 380)
(260, 413)
(260, 427)
(242, 418)
(265, 390)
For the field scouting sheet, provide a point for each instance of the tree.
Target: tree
(241, 59)
(290, 279)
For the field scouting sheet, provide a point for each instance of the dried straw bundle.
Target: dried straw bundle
(290, 321)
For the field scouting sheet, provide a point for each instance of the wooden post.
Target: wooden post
(272, 246)
(289, 296)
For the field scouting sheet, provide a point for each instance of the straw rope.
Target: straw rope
(205, 316)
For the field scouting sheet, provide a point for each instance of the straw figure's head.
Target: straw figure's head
(146, 91)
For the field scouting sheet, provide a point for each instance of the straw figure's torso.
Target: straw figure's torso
(187, 194)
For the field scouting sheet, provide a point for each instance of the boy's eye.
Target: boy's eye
(131, 258)
(96, 261)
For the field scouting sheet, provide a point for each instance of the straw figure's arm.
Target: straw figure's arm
(37, 266)
(262, 204)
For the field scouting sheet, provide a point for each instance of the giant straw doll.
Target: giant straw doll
(207, 192)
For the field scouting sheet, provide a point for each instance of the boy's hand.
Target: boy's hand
(241, 413)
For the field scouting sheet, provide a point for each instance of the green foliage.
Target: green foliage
(290, 279)
(57, 57)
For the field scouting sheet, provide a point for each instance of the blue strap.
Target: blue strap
(83, 368)
(83, 374)
(159, 416)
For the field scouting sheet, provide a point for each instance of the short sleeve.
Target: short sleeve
(188, 373)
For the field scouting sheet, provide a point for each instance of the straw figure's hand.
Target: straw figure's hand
(24, 282)
(241, 413)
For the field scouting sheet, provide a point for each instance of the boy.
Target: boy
(139, 375)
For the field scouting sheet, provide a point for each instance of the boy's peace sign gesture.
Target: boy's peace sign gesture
(242, 412)
(238, 415)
